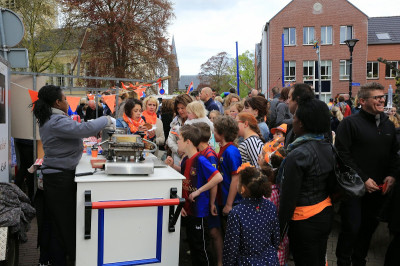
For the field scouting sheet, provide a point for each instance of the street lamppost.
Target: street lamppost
(351, 43)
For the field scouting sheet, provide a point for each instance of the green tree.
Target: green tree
(40, 20)
(246, 72)
(215, 72)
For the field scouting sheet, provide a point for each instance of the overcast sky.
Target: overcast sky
(203, 28)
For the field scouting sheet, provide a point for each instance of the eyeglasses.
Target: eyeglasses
(378, 97)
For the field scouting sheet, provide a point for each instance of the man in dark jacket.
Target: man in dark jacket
(272, 109)
(91, 111)
(206, 97)
(298, 93)
(366, 142)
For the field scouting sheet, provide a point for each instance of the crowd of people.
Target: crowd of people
(260, 174)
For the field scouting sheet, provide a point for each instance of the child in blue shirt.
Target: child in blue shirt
(214, 222)
(225, 131)
(252, 233)
(201, 176)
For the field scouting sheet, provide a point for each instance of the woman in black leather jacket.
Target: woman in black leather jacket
(305, 207)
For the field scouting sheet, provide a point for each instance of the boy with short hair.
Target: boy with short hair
(201, 176)
(226, 131)
(214, 222)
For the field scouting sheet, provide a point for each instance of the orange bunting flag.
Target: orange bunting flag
(110, 101)
(73, 102)
(159, 83)
(34, 96)
(131, 86)
(140, 91)
(123, 86)
(90, 97)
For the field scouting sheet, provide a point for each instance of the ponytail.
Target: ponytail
(256, 183)
(42, 106)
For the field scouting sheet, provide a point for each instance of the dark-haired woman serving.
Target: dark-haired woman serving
(62, 144)
(305, 206)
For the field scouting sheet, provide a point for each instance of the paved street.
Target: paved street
(29, 254)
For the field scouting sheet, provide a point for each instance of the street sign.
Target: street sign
(355, 84)
(13, 28)
(18, 57)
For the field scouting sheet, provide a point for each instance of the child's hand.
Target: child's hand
(226, 209)
(193, 195)
(151, 134)
(169, 161)
(183, 212)
(213, 210)
(142, 128)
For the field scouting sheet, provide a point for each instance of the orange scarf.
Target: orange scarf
(150, 118)
(133, 125)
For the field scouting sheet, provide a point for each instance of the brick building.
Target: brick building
(331, 22)
(384, 42)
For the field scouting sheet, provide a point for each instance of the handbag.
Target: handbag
(348, 180)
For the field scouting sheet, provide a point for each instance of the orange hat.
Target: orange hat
(282, 128)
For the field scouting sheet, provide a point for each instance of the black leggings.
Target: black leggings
(308, 238)
(60, 210)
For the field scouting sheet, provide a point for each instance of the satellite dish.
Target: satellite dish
(13, 28)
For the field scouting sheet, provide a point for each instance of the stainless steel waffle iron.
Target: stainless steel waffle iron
(125, 154)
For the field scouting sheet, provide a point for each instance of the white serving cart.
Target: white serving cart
(128, 220)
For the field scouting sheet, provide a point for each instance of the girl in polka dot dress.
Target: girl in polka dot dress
(252, 234)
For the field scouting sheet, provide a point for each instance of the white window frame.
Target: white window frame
(60, 80)
(373, 68)
(345, 64)
(288, 66)
(308, 64)
(327, 65)
(307, 31)
(346, 27)
(392, 72)
(289, 37)
(324, 32)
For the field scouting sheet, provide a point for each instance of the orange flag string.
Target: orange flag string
(159, 83)
(73, 102)
(140, 91)
(34, 96)
(123, 86)
(90, 97)
(110, 101)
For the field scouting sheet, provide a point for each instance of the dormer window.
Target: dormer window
(383, 36)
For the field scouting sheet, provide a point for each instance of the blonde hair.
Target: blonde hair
(338, 114)
(197, 108)
(239, 106)
(150, 98)
(218, 98)
(228, 99)
(217, 113)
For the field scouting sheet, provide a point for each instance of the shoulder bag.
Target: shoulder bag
(348, 180)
